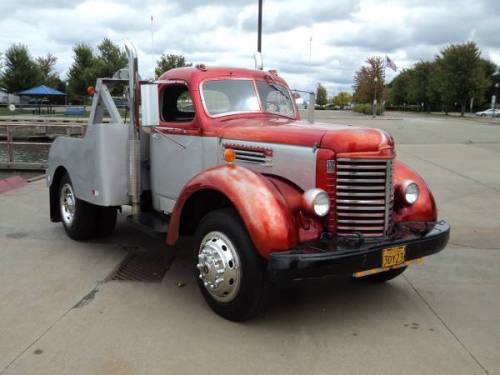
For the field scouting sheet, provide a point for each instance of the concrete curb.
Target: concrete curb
(12, 183)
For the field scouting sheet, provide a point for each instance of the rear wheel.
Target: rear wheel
(384, 276)
(229, 270)
(78, 217)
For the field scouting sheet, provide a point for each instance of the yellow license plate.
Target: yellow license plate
(393, 256)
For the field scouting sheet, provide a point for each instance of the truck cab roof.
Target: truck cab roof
(195, 75)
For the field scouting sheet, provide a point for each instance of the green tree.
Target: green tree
(109, 59)
(46, 66)
(321, 95)
(168, 62)
(419, 87)
(20, 71)
(82, 72)
(460, 74)
(88, 66)
(369, 81)
(400, 87)
(342, 99)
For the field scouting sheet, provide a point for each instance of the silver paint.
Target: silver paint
(294, 163)
(176, 159)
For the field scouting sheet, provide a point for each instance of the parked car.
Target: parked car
(489, 113)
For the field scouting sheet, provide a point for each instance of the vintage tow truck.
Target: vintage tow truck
(221, 154)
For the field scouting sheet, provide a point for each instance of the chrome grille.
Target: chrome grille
(364, 197)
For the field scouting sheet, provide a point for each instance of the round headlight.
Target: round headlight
(316, 201)
(411, 193)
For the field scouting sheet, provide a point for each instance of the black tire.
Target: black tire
(82, 225)
(383, 276)
(106, 221)
(249, 299)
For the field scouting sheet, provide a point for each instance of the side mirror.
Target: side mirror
(150, 108)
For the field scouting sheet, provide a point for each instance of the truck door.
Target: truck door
(176, 146)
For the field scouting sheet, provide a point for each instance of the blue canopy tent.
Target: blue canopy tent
(42, 92)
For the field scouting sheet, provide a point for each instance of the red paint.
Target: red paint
(12, 183)
(327, 182)
(271, 206)
(266, 127)
(309, 228)
(263, 209)
(359, 142)
(424, 209)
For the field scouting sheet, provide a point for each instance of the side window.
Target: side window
(177, 105)
(184, 103)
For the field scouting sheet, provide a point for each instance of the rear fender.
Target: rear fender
(260, 204)
(54, 181)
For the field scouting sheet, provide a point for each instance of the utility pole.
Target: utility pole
(259, 64)
(259, 29)
(494, 101)
(152, 48)
(375, 80)
(310, 48)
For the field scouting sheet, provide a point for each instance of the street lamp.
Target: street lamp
(259, 64)
(494, 101)
(494, 96)
(375, 80)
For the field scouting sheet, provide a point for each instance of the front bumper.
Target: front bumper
(345, 257)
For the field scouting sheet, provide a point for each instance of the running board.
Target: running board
(150, 223)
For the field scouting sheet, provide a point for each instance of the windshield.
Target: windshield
(230, 96)
(275, 99)
(223, 97)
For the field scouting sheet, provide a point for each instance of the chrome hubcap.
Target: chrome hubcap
(67, 203)
(219, 266)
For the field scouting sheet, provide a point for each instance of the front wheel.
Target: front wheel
(229, 270)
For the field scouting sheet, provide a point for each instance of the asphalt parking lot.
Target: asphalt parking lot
(59, 315)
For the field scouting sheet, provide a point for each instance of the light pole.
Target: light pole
(375, 80)
(259, 63)
(494, 101)
(259, 28)
(495, 77)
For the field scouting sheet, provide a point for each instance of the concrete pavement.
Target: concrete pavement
(59, 316)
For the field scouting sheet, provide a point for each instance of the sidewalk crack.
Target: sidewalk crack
(82, 302)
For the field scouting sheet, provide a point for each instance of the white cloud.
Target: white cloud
(344, 33)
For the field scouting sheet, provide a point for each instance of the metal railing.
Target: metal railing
(41, 130)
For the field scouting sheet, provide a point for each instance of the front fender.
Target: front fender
(424, 209)
(261, 206)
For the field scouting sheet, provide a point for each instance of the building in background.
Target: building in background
(6, 98)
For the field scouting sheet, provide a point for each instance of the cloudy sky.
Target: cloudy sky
(344, 33)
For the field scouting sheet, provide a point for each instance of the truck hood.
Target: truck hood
(339, 138)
